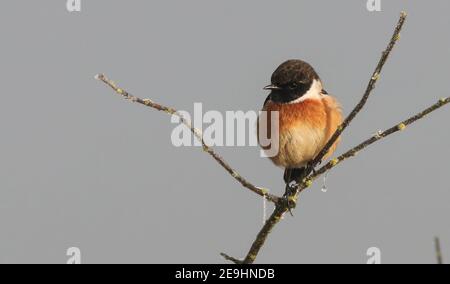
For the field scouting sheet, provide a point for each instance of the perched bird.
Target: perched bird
(308, 116)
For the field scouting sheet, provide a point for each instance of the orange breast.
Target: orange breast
(304, 129)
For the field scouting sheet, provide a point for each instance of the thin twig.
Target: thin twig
(437, 245)
(280, 210)
(230, 258)
(378, 136)
(304, 181)
(197, 133)
(372, 82)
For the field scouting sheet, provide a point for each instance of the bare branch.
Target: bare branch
(378, 136)
(372, 82)
(304, 181)
(197, 133)
(437, 245)
(230, 258)
(280, 210)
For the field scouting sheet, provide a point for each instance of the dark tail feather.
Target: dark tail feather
(292, 174)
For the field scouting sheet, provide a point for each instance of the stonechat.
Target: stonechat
(308, 116)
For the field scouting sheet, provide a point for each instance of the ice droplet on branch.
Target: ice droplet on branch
(324, 186)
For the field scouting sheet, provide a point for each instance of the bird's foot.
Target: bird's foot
(312, 167)
(290, 191)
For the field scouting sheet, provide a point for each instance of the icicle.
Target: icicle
(324, 186)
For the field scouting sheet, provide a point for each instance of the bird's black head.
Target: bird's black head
(291, 80)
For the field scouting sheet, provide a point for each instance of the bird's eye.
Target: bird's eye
(293, 86)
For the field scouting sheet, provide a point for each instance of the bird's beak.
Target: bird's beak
(271, 88)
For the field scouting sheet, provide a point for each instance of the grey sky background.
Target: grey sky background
(82, 167)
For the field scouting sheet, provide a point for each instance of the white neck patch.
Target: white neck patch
(314, 92)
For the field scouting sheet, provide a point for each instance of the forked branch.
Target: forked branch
(282, 205)
(197, 133)
(306, 179)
